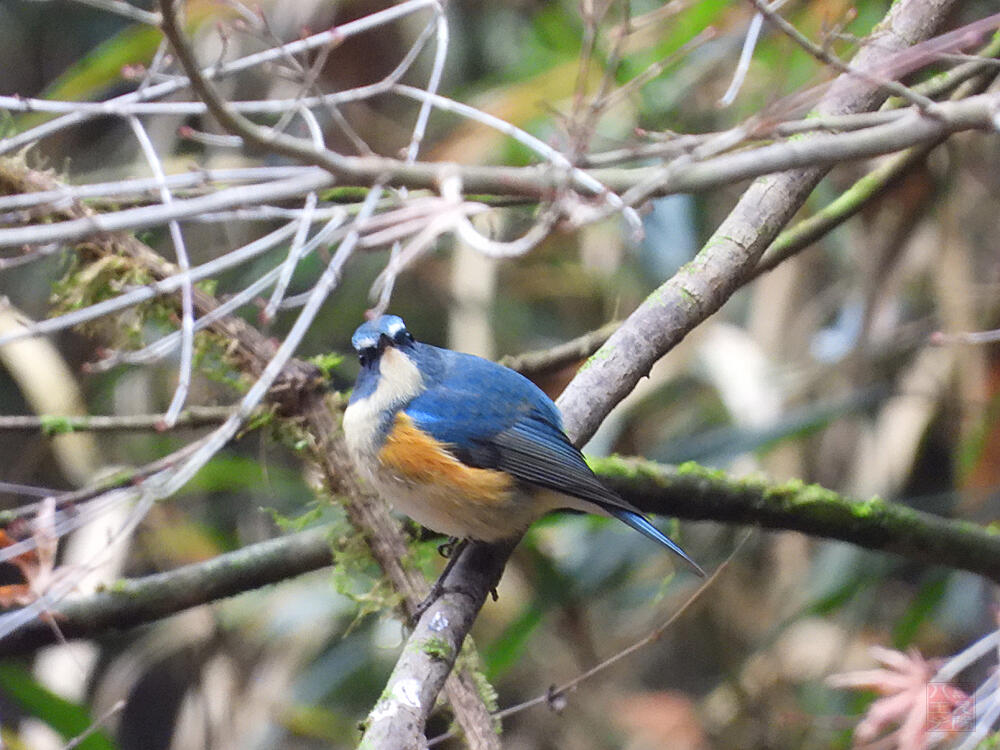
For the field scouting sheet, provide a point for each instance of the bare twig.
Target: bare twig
(564, 355)
(926, 105)
(667, 315)
(180, 251)
(193, 416)
(132, 602)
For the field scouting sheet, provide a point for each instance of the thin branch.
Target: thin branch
(941, 338)
(743, 64)
(926, 105)
(322, 39)
(128, 603)
(193, 416)
(660, 322)
(64, 195)
(144, 217)
(967, 82)
(433, 82)
(567, 354)
(125, 10)
(150, 291)
(295, 252)
(843, 207)
(982, 62)
(97, 725)
(821, 150)
(180, 252)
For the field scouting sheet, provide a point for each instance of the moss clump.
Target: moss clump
(55, 425)
(90, 280)
(436, 648)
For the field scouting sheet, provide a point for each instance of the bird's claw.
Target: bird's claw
(447, 549)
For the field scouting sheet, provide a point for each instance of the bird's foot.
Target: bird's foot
(450, 550)
(447, 549)
(432, 596)
(438, 589)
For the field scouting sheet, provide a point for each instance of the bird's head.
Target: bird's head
(375, 336)
(388, 356)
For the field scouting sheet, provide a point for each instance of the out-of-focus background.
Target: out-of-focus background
(823, 370)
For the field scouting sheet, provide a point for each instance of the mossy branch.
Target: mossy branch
(695, 493)
(132, 602)
(689, 491)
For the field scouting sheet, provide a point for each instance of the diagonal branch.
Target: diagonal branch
(683, 302)
(706, 283)
(133, 602)
(296, 394)
(690, 492)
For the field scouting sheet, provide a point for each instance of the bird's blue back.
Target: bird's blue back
(488, 417)
(493, 417)
(469, 399)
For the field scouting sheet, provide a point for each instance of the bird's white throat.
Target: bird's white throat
(398, 383)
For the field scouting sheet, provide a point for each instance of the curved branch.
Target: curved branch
(695, 493)
(825, 150)
(690, 491)
(133, 602)
(193, 416)
(680, 304)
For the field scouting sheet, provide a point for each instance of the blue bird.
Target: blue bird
(464, 446)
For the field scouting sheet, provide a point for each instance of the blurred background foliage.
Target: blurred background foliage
(820, 370)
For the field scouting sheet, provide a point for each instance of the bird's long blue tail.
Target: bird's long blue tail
(643, 526)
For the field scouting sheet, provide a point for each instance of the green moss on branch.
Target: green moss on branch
(695, 493)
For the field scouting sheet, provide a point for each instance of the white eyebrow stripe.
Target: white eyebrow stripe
(395, 327)
(367, 342)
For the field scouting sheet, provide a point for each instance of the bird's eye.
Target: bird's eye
(403, 337)
(366, 356)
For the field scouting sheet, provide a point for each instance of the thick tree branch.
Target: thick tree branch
(909, 128)
(690, 492)
(702, 286)
(132, 602)
(684, 301)
(296, 394)
(698, 494)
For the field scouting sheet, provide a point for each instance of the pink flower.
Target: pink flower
(920, 710)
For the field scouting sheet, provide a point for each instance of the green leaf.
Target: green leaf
(508, 648)
(923, 606)
(67, 718)
(97, 71)
(102, 67)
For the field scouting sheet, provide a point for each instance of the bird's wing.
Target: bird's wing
(491, 417)
(537, 452)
